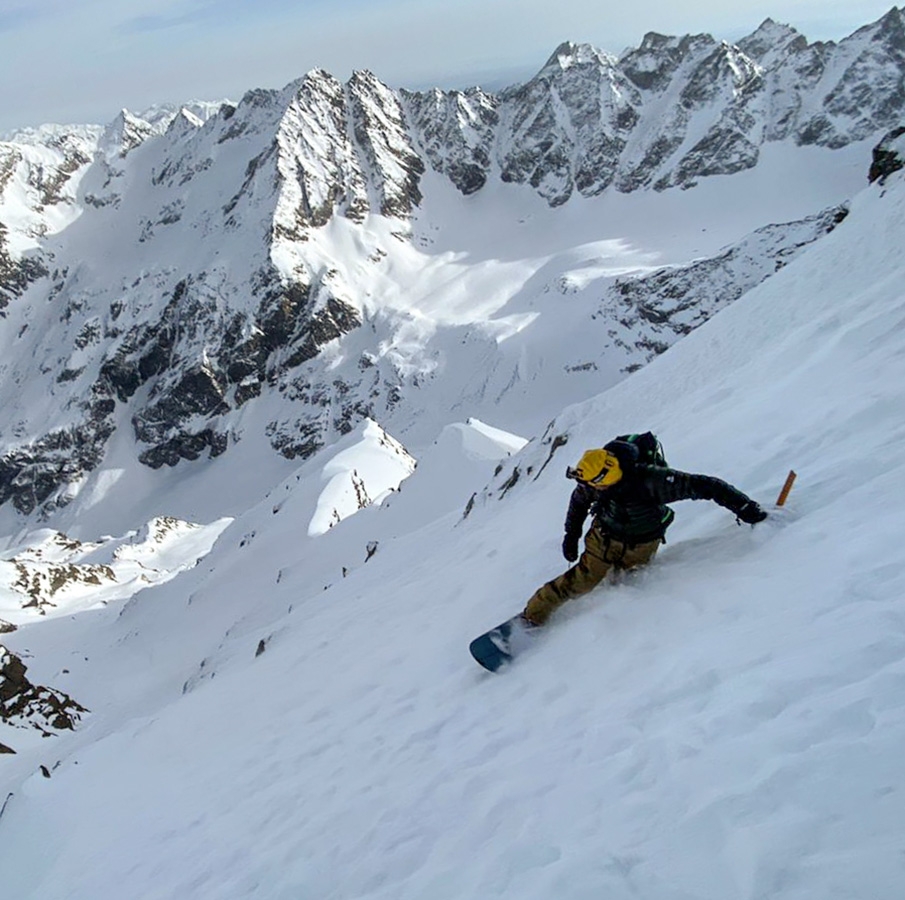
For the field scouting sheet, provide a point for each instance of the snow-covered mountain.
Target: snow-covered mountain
(289, 387)
(279, 270)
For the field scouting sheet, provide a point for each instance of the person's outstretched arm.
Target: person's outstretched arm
(670, 485)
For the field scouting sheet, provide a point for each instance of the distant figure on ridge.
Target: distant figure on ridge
(625, 486)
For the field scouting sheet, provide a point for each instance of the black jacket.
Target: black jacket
(634, 509)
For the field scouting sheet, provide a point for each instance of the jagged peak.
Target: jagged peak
(184, 122)
(568, 55)
(892, 19)
(314, 81)
(893, 25)
(654, 42)
(158, 116)
(264, 105)
(440, 96)
(364, 82)
(651, 65)
(161, 116)
(655, 48)
(774, 30)
(124, 118)
(891, 22)
(364, 76)
(124, 133)
(769, 37)
(317, 75)
(258, 97)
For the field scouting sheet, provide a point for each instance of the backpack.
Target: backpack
(650, 451)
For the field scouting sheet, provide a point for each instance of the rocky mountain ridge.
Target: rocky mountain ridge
(162, 275)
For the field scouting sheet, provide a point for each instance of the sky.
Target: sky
(83, 61)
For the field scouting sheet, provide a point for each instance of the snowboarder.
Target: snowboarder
(628, 502)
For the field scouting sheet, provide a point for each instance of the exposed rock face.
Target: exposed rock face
(889, 156)
(658, 308)
(30, 475)
(566, 128)
(318, 167)
(456, 131)
(40, 173)
(42, 583)
(50, 569)
(16, 275)
(381, 134)
(25, 705)
(870, 91)
(172, 268)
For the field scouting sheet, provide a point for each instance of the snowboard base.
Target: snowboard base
(499, 646)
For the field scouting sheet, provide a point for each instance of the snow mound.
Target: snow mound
(482, 441)
(371, 465)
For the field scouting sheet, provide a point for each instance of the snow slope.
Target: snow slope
(298, 717)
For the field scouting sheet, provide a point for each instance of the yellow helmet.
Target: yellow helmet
(598, 468)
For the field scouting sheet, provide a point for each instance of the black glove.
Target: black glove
(750, 513)
(570, 547)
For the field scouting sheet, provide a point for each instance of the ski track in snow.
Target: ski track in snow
(726, 724)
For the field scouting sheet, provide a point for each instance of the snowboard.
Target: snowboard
(499, 646)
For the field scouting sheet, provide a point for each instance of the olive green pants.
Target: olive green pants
(600, 556)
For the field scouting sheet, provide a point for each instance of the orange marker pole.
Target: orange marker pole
(784, 493)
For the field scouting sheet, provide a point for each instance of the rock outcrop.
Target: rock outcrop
(888, 156)
(25, 705)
